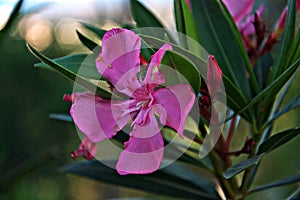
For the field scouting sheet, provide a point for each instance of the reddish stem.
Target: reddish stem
(230, 132)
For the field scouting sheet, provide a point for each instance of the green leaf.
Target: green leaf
(74, 63)
(278, 140)
(235, 98)
(294, 103)
(188, 175)
(262, 69)
(220, 37)
(267, 146)
(281, 182)
(241, 166)
(91, 45)
(286, 40)
(272, 89)
(61, 117)
(295, 195)
(97, 31)
(199, 60)
(158, 182)
(144, 18)
(71, 75)
(182, 65)
(13, 15)
(185, 22)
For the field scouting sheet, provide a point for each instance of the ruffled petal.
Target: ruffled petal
(177, 101)
(153, 75)
(141, 155)
(239, 9)
(94, 117)
(120, 53)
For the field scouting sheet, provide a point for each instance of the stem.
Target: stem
(228, 189)
(247, 178)
(230, 132)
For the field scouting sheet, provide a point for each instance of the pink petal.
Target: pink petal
(239, 9)
(247, 27)
(141, 155)
(120, 53)
(153, 75)
(94, 117)
(177, 100)
(214, 76)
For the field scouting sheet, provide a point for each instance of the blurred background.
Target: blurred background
(32, 146)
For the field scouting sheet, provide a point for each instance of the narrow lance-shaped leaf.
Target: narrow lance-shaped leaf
(274, 87)
(213, 26)
(61, 117)
(278, 140)
(185, 23)
(71, 75)
(267, 146)
(74, 63)
(294, 53)
(235, 98)
(158, 182)
(144, 18)
(294, 103)
(277, 183)
(97, 31)
(241, 166)
(90, 44)
(286, 39)
(184, 67)
(12, 17)
(241, 46)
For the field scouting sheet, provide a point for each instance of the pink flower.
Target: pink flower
(239, 9)
(241, 13)
(100, 119)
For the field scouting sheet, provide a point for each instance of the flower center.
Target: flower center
(143, 106)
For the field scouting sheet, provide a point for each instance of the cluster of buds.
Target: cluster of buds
(261, 42)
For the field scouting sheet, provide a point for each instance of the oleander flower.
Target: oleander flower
(147, 100)
(241, 13)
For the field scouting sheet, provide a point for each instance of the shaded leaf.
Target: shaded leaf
(185, 22)
(144, 18)
(235, 98)
(184, 67)
(262, 69)
(13, 15)
(278, 140)
(241, 166)
(294, 195)
(286, 40)
(158, 182)
(61, 117)
(98, 31)
(281, 182)
(71, 75)
(91, 45)
(213, 26)
(74, 63)
(295, 102)
(272, 89)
